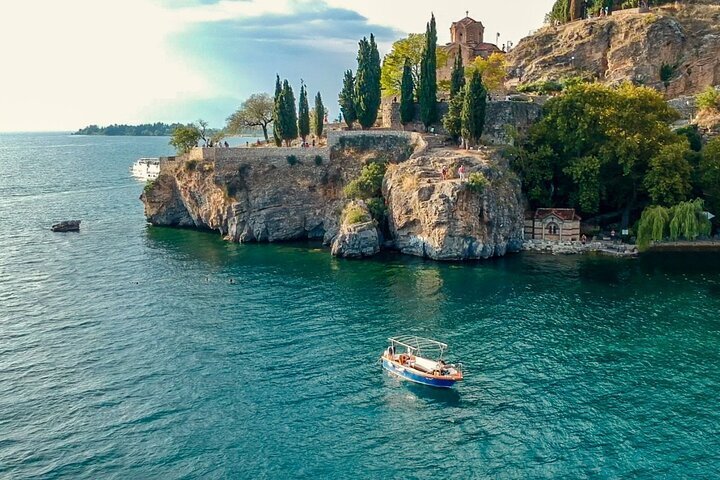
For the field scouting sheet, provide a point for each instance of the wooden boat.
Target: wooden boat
(67, 226)
(411, 358)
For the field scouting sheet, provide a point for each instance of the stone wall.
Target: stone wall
(501, 118)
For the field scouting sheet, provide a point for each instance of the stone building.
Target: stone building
(468, 37)
(553, 224)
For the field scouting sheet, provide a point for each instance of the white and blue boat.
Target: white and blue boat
(420, 360)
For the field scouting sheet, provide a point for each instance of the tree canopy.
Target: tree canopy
(407, 96)
(600, 149)
(427, 88)
(493, 71)
(185, 137)
(411, 49)
(473, 110)
(319, 112)
(303, 114)
(277, 107)
(346, 99)
(256, 111)
(367, 83)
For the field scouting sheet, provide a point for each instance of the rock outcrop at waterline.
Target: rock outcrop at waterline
(276, 194)
(357, 237)
(674, 50)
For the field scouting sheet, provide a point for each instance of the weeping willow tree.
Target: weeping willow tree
(652, 226)
(688, 220)
(685, 220)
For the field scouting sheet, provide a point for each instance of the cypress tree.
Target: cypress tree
(367, 83)
(407, 98)
(457, 77)
(277, 127)
(346, 99)
(319, 115)
(427, 94)
(288, 118)
(303, 113)
(452, 119)
(473, 110)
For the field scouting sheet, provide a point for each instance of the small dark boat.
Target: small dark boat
(67, 226)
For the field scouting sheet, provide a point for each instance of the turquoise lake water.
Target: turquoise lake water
(126, 351)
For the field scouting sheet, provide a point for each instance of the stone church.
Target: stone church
(468, 37)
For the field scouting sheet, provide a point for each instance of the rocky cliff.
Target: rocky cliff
(451, 219)
(673, 49)
(268, 195)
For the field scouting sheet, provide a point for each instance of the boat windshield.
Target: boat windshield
(418, 346)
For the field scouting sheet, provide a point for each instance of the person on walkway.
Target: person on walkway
(461, 173)
(443, 172)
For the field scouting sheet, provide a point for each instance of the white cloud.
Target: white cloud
(74, 62)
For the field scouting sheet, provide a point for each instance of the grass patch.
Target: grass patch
(354, 214)
(292, 160)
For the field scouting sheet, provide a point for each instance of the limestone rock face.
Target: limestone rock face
(448, 219)
(629, 47)
(357, 240)
(267, 194)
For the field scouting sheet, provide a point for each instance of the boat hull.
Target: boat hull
(412, 376)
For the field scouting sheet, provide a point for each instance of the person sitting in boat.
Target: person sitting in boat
(391, 351)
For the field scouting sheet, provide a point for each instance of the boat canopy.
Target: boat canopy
(418, 345)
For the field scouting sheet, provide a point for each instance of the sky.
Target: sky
(72, 63)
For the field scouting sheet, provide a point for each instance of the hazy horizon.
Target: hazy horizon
(147, 61)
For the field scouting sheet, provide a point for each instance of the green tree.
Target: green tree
(320, 112)
(347, 99)
(623, 128)
(668, 177)
(427, 89)
(185, 137)
(367, 83)
(708, 99)
(288, 115)
(560, 12)
(368, 184)
(409, 48)
(457, 77)
(407, 100)
(688, 221)
(710, 175)
(493, 71)
(277, 107)
(653, 226)
(452, 121)
(473, 111)
(303, 113)
(693, 135)
(256, 111)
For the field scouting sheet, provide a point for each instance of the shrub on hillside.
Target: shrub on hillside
(708, 99)
(354, 214)
(368, 184)
(292, 160)
(477, 182)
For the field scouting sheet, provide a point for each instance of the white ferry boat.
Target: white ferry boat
(146, 169)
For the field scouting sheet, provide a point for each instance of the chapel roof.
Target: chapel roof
(565, 214)
(465, 21)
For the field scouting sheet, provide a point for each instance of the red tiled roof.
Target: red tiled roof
(565, 214)
(465, 21)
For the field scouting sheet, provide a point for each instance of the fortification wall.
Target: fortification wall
(501, 118)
